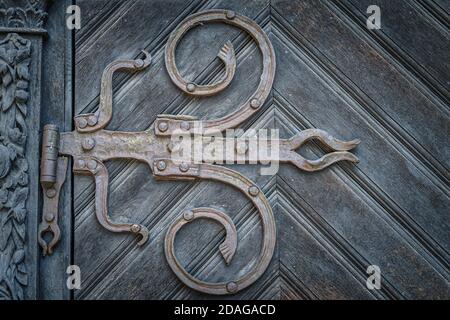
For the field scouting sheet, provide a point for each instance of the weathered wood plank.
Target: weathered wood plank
(348, 213)
(396, 97)
(194, 239)
(155, 86)
(123, 35)
(406, 27)
(57, 59)
(390, 210)
(395, 176)
(303, 254)
(93, 14)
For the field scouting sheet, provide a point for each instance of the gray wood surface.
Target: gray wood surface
(388, 88)
(21, 49)
(58, 100)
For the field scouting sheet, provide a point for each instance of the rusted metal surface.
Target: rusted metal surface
(250, 190)
(95, 121)
(50, 208)
(166, 126)
(90, 146)
(96, 168)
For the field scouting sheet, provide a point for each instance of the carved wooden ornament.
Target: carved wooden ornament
(90, 146)
(21, 32)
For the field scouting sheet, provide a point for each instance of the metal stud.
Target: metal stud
(241, 148)
(232, 287)
(230, 15)
(135, 228)
(92, 165)
(92, 121)
(81, 164)
(184, 167)
(190, 87)
(254, 191)
(188, 215)
(185, 126)
(255, 104)
(88, 144)
(50, 193)
(163, 126)
(161, 165)
(139, 63)
(49, 217)
(82, 123)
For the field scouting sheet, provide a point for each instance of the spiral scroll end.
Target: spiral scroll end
(227, 53)
(144, 63)
(227, 252)
(144, 234)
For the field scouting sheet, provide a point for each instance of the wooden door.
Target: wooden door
(387, 87)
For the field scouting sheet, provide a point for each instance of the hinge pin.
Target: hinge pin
(50, 151)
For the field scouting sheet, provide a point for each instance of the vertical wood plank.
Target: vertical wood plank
(57, 109)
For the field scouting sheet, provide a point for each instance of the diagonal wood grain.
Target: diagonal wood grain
(333, 74)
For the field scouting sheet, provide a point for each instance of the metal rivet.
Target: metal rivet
(190, 87)
(88, 144)
(255, 104)
(185, 126)
(139, 63)
(184, 167)
(241, 148)
(51, 193)
(230, 15)
(82, 123)
(163, 126)
(135, 228)
(92, 121)
(253, 190)
(49, 217)
(161, 165)
(232, 287)
(92, 165)
(188, 215)
(81, 163)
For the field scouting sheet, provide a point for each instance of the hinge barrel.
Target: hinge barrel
(50, 152)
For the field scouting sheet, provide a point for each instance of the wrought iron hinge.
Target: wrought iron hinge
(53, 176)
(90, 146)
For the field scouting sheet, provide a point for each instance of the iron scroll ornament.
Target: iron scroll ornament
(90, 146)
